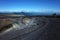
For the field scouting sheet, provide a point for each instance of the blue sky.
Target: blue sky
(30, 5)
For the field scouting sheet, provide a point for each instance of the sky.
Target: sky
(30, 5)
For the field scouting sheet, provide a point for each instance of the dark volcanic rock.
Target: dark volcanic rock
(50, 30)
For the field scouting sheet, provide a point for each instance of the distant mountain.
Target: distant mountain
(30, 13)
